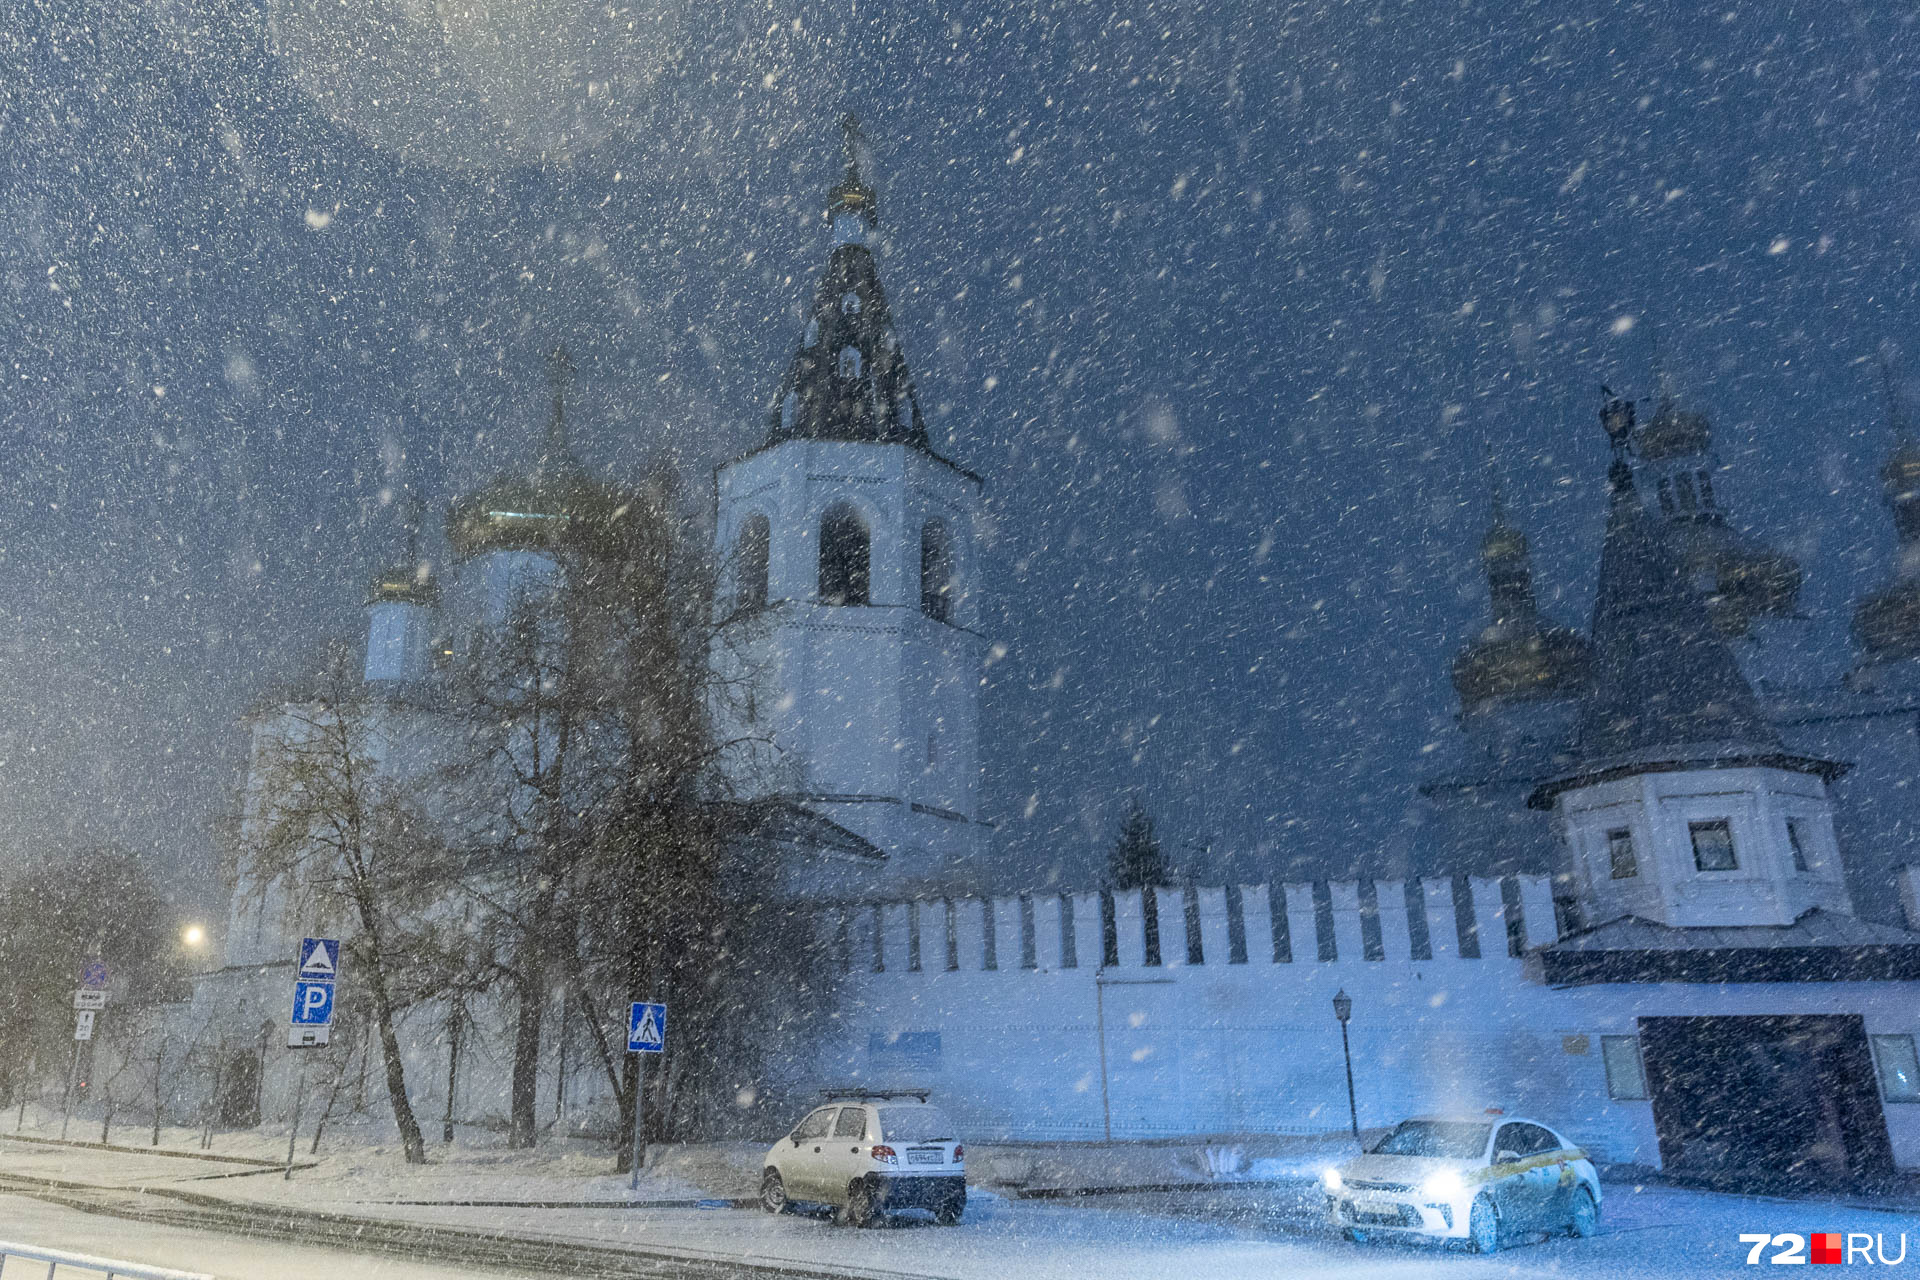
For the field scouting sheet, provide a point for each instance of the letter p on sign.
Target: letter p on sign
(312, 1004)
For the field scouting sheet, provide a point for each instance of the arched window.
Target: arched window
(845, 556)
(1706, 491)
(750, 563)
(789, 410)
(849, 362)
(936, 571)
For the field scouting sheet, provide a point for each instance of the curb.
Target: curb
(146, 1151)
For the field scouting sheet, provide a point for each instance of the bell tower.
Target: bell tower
(850, 582)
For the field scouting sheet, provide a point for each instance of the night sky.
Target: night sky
(1222, 299)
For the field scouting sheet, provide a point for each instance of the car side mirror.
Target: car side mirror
(1506, 1157)
(796, 1140)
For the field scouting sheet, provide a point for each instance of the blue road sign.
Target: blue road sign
(93, 975)
(319, 959)
(647, 1028)
(312, 1004)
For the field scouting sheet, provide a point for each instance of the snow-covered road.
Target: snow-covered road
(1658, 1232)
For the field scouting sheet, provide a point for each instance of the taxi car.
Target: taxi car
(1485, 1180)
(866, 1153)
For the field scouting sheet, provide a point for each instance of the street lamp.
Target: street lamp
(1343, 1010)
(194, 936)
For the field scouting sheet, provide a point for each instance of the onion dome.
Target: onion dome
(1887, 623)
(1521, 656)
(553, 505)
(410, 580)
(1741, 579)
(404, 584)
(849, 380)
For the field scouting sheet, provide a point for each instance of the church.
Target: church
(1661, 893)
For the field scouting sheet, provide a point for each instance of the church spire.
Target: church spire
(1665, 680)
(852, 209)
(849, 380)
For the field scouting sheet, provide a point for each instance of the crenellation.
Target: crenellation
(1343, 899)
(1443, 928)
(1302, 925)
(1490, 911)
(1390, 902)
(1363, 923)
(1536, 905)
(1215, 928)
(1255, 910)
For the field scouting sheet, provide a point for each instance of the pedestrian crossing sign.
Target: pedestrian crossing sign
(647, 1028)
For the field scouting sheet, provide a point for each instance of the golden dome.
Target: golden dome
(1521, 660)
(404, 584)
(1673, 432)
(1521, 656)
(556, 505)
(1741, 579)
(1886, 624)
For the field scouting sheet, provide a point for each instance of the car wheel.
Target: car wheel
(1585, 1218)
(860, 1206)
(773, 1193)
(948, 1215)
(1483, 1226)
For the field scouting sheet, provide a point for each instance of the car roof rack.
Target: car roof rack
(865, 1094)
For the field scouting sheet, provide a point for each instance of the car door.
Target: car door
(1538, 1192)
(846, 1155)
(803, 1165)
(1506, 1182)
(1557, 1180)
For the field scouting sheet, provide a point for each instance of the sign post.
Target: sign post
(646, 1033)
(315, 969)
(89, 1000)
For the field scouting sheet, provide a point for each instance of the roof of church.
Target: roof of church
(1819, 946)
(849, 379)
(1663, 676)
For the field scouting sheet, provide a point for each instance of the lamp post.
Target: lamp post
(1343, 1010)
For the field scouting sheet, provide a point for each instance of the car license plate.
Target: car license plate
(932, 1155)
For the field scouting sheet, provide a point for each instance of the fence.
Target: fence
(60, 1262)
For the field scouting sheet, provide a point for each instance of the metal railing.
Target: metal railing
(61, 1263)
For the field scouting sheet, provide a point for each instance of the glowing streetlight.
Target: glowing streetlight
(194, 936)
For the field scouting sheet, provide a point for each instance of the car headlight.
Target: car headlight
(1445, 1185)
(1331, 1177)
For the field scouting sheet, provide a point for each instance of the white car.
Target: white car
(866, 1153)
(1485, 1180)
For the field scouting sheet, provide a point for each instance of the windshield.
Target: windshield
(1446, 1139)
(916, 1124)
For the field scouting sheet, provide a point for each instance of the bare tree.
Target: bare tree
(333, 827)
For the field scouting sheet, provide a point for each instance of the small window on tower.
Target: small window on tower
(1666, 496)
(1706, 490)
(789, 411)
(813, 332)
(849, 303)
(849, 362)
(1620, 856)
(1797, 841)
(750, 563)
(936, 571)
(1684, 483)
(1713, 845)
(933, 749)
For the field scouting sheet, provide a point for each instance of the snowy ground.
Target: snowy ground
(1231, 1231)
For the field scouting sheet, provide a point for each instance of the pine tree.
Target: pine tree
(1135, 860)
